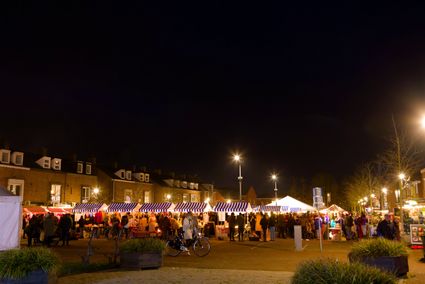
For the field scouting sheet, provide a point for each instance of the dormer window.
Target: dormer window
(120, 174)
(80, 167)
(128, 175)
(17, 158)
(184, 184)
(56, 164)
(5, 156)
(146, 177)
(88, 169)
(191, 185)
(44, 162)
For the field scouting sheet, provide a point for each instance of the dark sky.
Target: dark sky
(296, 89)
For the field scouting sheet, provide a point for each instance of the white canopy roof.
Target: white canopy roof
(290, 204)
(333, 208)
(10, 219)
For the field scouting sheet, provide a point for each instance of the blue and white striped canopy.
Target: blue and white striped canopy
(87, 207)
(268, 208)
(190, 206)
(121, 207)
(156, 207)
(232, 207)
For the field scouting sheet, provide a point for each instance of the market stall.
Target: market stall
(222, 230)
(10, 220)
(123, 207)
(270, 208)
(34, 210)
(293, 205)
(157, 207)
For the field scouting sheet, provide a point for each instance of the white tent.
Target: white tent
(290, 204)
(333, 208)
(10, 220)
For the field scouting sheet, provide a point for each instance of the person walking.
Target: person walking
(65, 224)
(385, 228)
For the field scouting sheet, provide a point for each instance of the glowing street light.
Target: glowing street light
(237, 159)
(274, 178)
(423, 122)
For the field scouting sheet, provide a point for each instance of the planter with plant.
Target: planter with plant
(142, 253)
(30, 265)
(384, 254)
(323, 271)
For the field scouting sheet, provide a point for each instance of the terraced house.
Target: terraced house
(53, 181)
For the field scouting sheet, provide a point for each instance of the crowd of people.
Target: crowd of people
(43, 229)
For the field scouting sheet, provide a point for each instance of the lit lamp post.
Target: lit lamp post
(237, 159)
(274, 178)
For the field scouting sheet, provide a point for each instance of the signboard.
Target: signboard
(416, 232)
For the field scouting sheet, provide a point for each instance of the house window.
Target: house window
(85, 194)
(128, 174)
(16, 186)
(5, 156)
(147, 197)
(55, 194)
(194, 198)
(18, 158)
(79, 167)
(128, 195)
(88, 169)
(185, 197)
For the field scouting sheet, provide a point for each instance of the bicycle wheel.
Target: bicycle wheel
(202, 246)
(170, 250)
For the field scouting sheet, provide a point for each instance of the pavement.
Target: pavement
(228, 262)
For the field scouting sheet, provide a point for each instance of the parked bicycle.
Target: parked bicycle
(199, 244)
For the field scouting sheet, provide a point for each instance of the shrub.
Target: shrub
(331, 271)
(142, 245)
(376, 248)
(18, 263)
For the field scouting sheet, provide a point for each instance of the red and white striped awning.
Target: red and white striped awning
(156, 207)
(122, 207)
(190, 207)
(232, 207)
(87, 207)
(269, 208)
(34, 210)
(56, 210)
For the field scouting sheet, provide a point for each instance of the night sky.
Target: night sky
(295, 89)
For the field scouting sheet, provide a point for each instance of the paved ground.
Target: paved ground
(228, 262)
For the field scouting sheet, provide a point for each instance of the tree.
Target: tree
(366, 180)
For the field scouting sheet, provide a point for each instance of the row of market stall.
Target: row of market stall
(284, 205)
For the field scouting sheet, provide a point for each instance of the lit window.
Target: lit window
(88, 169)
(55, 194)
(147, 197)
(80, 167)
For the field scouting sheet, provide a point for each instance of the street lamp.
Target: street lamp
(237, 159)
(423, 122)
(274, 178)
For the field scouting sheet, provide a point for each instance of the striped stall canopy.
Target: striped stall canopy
(268, 208)
(34, 210)
(190, 206)
(57, 210)
(87, 207)
(295, 209)
(156, 207)
(232, 207)
(122, 207)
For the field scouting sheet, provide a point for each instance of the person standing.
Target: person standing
(65, 224)
(241, 226)
(272, 227)
(385, 228)
(264, 222)
(49, 229)
(232, 225)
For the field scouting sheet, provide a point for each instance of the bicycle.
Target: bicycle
(199, 244)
